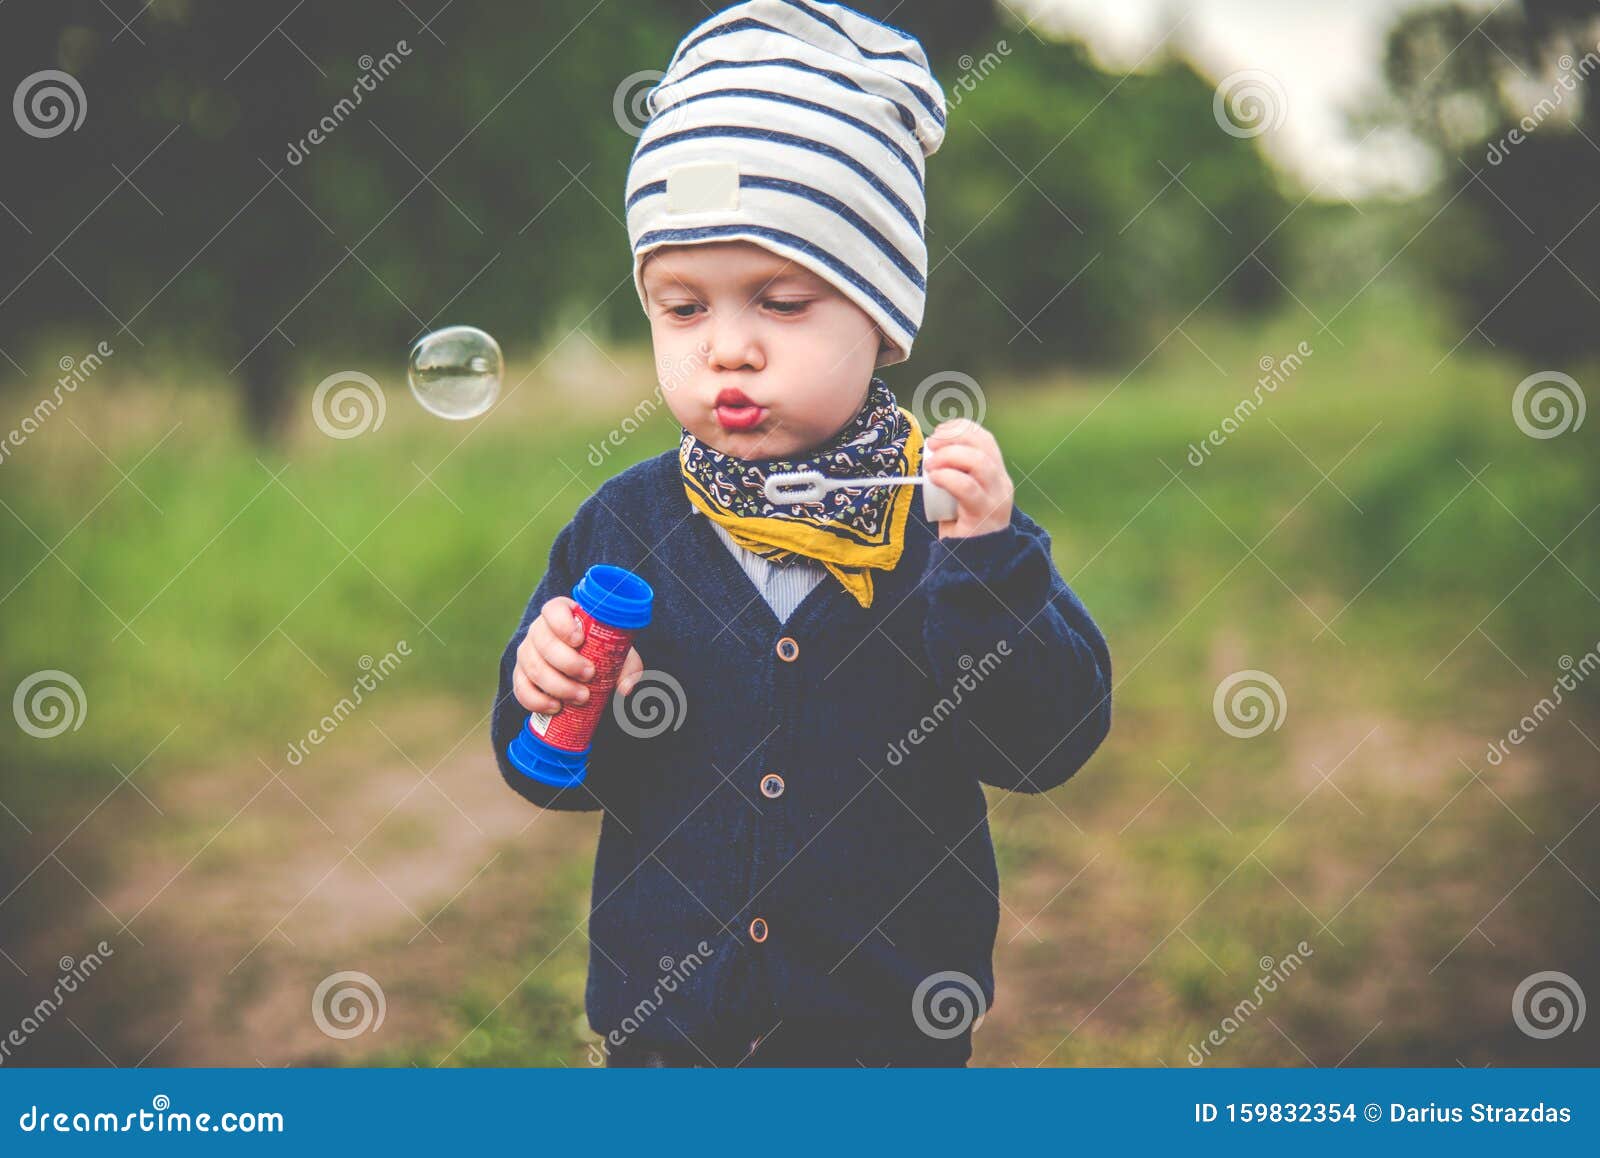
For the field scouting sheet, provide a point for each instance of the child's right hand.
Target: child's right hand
(550, 672)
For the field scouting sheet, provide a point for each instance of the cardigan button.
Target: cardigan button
(758, 930)
(788, 649)
(772, 786)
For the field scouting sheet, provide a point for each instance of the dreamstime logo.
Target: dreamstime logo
(946, 706)
(373, 673)
(75, 372)
(631, 103)
(948, 394)
(1548, 404)
(656, 704)
(1249, 702)
(372, 71)
(156, 1120)
(1273, 974)
(673, 974)
(348, 1004)
(73, 974)
(945, 1004)
(1586, 665)
(1274, 373)
(1249, 102)
(1548, 1004)
(973, 71)
(1567, 81)
(49, 702)
(48, 103)
(357, 406)
(673, 373)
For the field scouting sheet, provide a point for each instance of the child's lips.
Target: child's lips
(740, 417)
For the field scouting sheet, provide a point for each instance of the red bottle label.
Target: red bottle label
(573, 726)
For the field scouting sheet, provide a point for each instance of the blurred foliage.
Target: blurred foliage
(480, 178)
(1508, 101)
(461, 173)
(1076, 216)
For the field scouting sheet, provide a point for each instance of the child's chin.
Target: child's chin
(749, 445)
(753, 450)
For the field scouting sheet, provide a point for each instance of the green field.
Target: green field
(1379, 535)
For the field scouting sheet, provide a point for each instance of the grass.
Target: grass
(1375, 536)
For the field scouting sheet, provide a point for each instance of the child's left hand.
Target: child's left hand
(964, 459)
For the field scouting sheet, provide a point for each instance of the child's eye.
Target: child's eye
(787, 308)
(675, 311)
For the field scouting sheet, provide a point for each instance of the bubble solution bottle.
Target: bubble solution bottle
(613, 604)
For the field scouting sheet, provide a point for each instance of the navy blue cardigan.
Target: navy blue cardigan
(867, 867)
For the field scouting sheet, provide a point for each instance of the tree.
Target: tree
(1509, 102)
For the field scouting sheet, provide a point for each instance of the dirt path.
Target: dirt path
(399, 854)
(1425, 895)
(389, 854)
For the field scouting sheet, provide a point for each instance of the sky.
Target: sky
(1324, 56)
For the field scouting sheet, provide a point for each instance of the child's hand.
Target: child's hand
(964, 459)
(550, 672)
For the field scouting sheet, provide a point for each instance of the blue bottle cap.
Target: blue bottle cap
(615, 595)
(534, 758)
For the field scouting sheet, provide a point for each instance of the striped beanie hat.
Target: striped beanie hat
(800, 126)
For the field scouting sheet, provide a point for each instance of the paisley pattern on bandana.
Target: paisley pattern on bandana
(851, 530)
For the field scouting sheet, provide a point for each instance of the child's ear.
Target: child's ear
(885, 346)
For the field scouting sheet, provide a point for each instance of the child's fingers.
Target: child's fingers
(964, 457)
(558, 616)
(530, 697)
(956, 429)
(535, 645)
(967, 490)
(631, 667)
(976, 502)
(553, 683)
(559, 654)
(956, 449)
(962, 432)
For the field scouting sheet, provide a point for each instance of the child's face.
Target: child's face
(731, 315)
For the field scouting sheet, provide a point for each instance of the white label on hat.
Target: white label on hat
(705, 186)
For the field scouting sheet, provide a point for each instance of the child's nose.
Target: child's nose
(734, 347)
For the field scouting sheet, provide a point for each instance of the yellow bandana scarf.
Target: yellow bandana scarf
(850, 531)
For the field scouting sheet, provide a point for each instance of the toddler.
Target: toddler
(794, 863)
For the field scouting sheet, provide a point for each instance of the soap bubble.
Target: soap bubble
(455, 372)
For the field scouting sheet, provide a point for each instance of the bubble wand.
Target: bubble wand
(809, 486)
